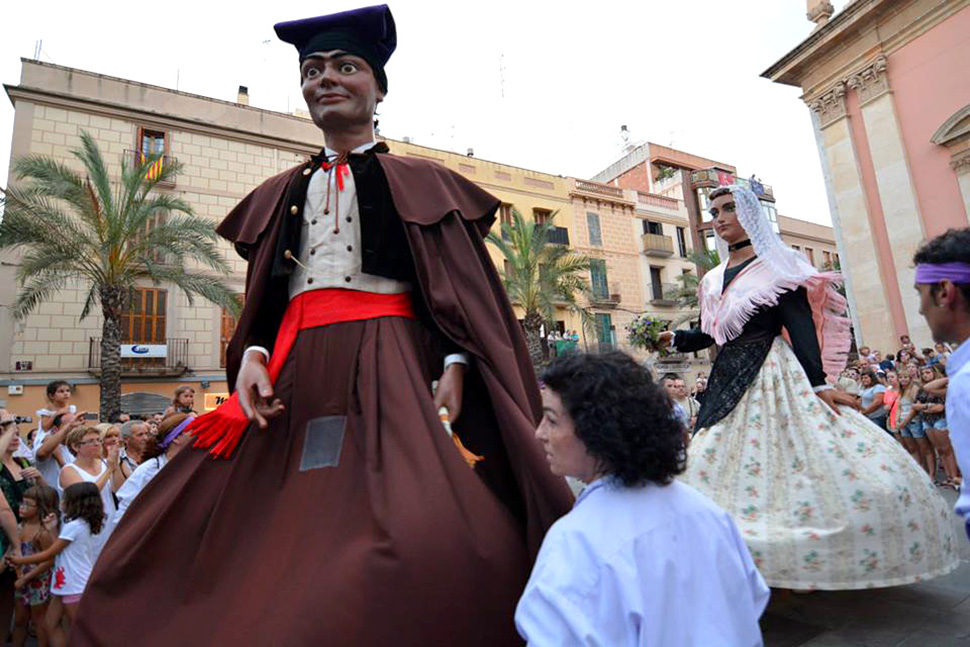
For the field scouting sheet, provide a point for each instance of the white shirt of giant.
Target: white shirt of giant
(330, 251)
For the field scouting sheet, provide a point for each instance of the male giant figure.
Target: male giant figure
(325, 504)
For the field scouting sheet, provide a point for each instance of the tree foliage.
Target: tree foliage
(540, 276)
(109, 235)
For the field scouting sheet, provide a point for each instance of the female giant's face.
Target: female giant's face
(565, 452)
(725, 218)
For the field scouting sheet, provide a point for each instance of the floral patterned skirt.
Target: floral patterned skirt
(823, 501)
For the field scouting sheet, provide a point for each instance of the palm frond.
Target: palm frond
(37, 289)
(97, 171)
(539, 276)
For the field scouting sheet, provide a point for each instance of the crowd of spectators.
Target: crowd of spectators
(64, 484)
(904, 393)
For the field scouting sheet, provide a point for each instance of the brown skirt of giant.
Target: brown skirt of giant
(398, 543)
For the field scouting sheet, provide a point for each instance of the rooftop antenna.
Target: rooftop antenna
(38, 46)
(501, 73)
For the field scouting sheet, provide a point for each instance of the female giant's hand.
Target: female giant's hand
(665, 339)
(835, 398)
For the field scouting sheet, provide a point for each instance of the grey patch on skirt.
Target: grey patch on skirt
(324, 439)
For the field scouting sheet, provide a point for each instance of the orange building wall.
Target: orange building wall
(930, 81)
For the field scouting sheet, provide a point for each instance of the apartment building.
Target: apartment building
(226, 149)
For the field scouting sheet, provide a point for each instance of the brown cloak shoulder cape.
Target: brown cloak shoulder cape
(444, 217)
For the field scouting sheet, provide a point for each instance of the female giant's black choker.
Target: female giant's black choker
(736, 246)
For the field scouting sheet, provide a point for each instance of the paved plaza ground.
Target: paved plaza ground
(930, 614)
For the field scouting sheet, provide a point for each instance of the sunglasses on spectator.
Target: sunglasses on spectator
(92, 441)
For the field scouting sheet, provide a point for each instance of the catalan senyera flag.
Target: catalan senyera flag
(155, 170)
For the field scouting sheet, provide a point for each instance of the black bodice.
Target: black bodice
(740, 359)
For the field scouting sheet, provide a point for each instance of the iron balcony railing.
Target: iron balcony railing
(559, 236)
(606, 298)
(664, 294)
(175, 361)
(136, 158)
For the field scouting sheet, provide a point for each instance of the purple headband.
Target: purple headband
(936, 272)
(172, 435)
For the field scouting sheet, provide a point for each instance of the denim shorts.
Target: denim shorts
(913, 430)
(940, 425)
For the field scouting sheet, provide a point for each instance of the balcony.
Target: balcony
(135, 158)
(658, 245)
(599, 299)
(660, 201)
(664, 294)
(559, 236)
(597, 188)
(159, 359)
(712, 178)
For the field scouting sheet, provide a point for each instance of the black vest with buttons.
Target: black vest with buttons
(384, 248)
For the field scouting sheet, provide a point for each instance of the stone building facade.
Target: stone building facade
(226, 149)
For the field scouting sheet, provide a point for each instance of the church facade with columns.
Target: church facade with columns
(887, 86)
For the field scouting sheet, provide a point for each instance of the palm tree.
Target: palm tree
(686, 294)
(108, 236)
(539, 276)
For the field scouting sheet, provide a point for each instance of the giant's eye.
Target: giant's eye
(348, 67)
(310, 72)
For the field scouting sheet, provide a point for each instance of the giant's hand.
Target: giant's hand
(835, 398)
(255, 391)
(665, 339)
(450, 389)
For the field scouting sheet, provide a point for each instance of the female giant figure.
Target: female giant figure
(824, 498)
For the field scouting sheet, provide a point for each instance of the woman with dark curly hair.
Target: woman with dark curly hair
(638, 545)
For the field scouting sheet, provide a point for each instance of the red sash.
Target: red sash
(222, 429)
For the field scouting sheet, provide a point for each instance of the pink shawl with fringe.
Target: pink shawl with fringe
(725, 312)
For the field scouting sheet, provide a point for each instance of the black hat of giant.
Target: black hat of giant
(367, 32)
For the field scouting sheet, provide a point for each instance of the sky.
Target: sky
(543, 85)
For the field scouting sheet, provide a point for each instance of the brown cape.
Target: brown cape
(403, 522)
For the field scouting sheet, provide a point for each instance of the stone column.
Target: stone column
(856, 243)
(897, 194)
(846, 268)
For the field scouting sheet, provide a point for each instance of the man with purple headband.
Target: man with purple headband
(325, 503)
(943, 283)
